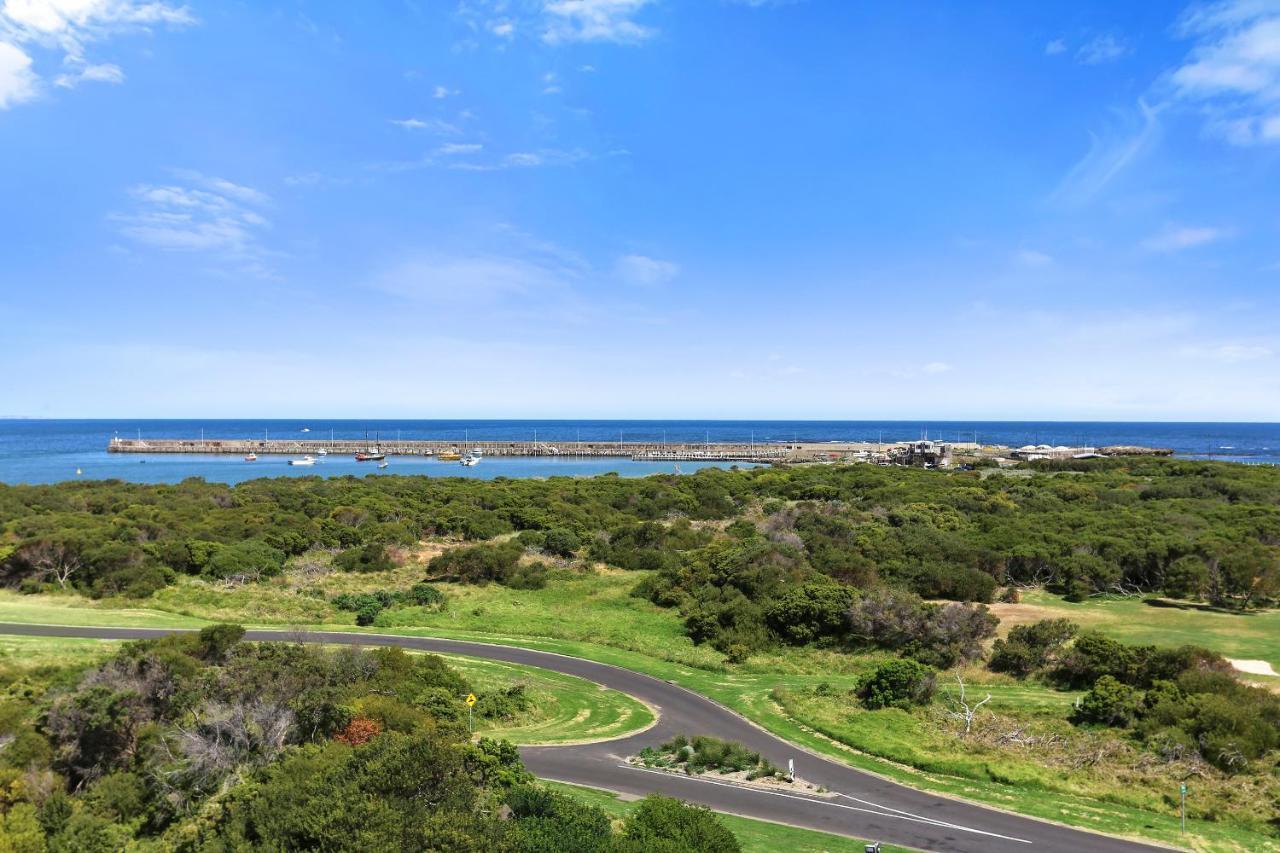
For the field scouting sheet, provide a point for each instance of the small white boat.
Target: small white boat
(306, 429)
(470, 460)
(383, 464)
(306, 460)
(322, 452)
(252, 457)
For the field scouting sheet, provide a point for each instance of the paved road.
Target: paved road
(863, 806)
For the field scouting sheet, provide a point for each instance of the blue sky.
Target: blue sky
(640, 208)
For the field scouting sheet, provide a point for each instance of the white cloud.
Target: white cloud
(1233, 70)
(1033, 258)
(503, 28)
(68, 27)
(105, 73)
(1101, 49)
(432, 125)
(203, 214)
(1177, 238)
(641, 269)
(1055, 47)
(595, 20)
(450, 148)
(1109, 155)
(936, 367)
(442, 92)
(18, 82)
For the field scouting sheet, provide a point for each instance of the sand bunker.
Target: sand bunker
(1253, 667)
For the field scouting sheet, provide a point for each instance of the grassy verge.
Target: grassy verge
(756, 836)
(563, 709)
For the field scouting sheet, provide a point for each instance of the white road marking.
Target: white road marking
(877, 810)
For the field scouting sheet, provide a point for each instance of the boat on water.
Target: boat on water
(449, 456)
(305, 429)
(322, 452)
(470, 460)
(372, 453)
(383, 464)
(306, 460)
(252, 457)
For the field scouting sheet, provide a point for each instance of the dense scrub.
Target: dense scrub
(207, 743)
(1178, 702)
(1191, 529)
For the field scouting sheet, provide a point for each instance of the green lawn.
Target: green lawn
(756, 836)
(563, 709)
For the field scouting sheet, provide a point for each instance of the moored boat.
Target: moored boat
(306, 460)
(252, 457)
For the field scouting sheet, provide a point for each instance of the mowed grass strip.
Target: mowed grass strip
(755, 836)
(562, 708)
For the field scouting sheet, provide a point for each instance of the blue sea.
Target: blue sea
(46, 451)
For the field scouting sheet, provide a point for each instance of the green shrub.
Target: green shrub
(897, 684)
(366, 558)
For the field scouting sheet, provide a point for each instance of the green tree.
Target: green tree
(897, 684)
(664, 825)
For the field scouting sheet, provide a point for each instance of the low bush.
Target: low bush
(897, 684)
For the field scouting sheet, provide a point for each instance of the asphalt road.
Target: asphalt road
(862, 805)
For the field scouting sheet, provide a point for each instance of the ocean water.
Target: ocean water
(46, 451)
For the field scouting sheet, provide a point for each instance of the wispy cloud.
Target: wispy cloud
(1177, 238)
(431, 125)
(65, 29)
(1233, 69)
(1231, 353)
(935, 367)
(641, 269)
(1055, 47)
(1109, 155)
(595, 20)
(450, 148)
(203, 214)
(1101, 49)
(1033, 258)
(104, 73)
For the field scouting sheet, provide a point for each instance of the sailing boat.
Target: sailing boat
(371, 454)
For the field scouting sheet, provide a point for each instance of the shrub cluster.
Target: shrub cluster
(482, 564)
(367, 605)
(701, 753)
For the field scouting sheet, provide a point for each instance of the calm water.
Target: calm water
(45, 451)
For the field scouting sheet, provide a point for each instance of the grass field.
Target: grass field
(756, 836)
(563, 709)
(1235, 635)
(593, 616)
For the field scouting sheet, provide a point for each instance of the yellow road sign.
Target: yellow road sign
(471, 698)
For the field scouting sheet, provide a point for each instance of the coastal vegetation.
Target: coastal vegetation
(203, 742)
(1051, 639)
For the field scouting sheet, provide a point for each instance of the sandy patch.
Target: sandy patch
(1254, 667)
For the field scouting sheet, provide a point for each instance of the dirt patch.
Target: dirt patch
(1254, 667)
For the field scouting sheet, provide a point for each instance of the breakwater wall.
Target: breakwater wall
(349, 447)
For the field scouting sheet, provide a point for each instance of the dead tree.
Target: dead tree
(964, 711)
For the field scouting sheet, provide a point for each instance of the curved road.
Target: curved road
(863, 805)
